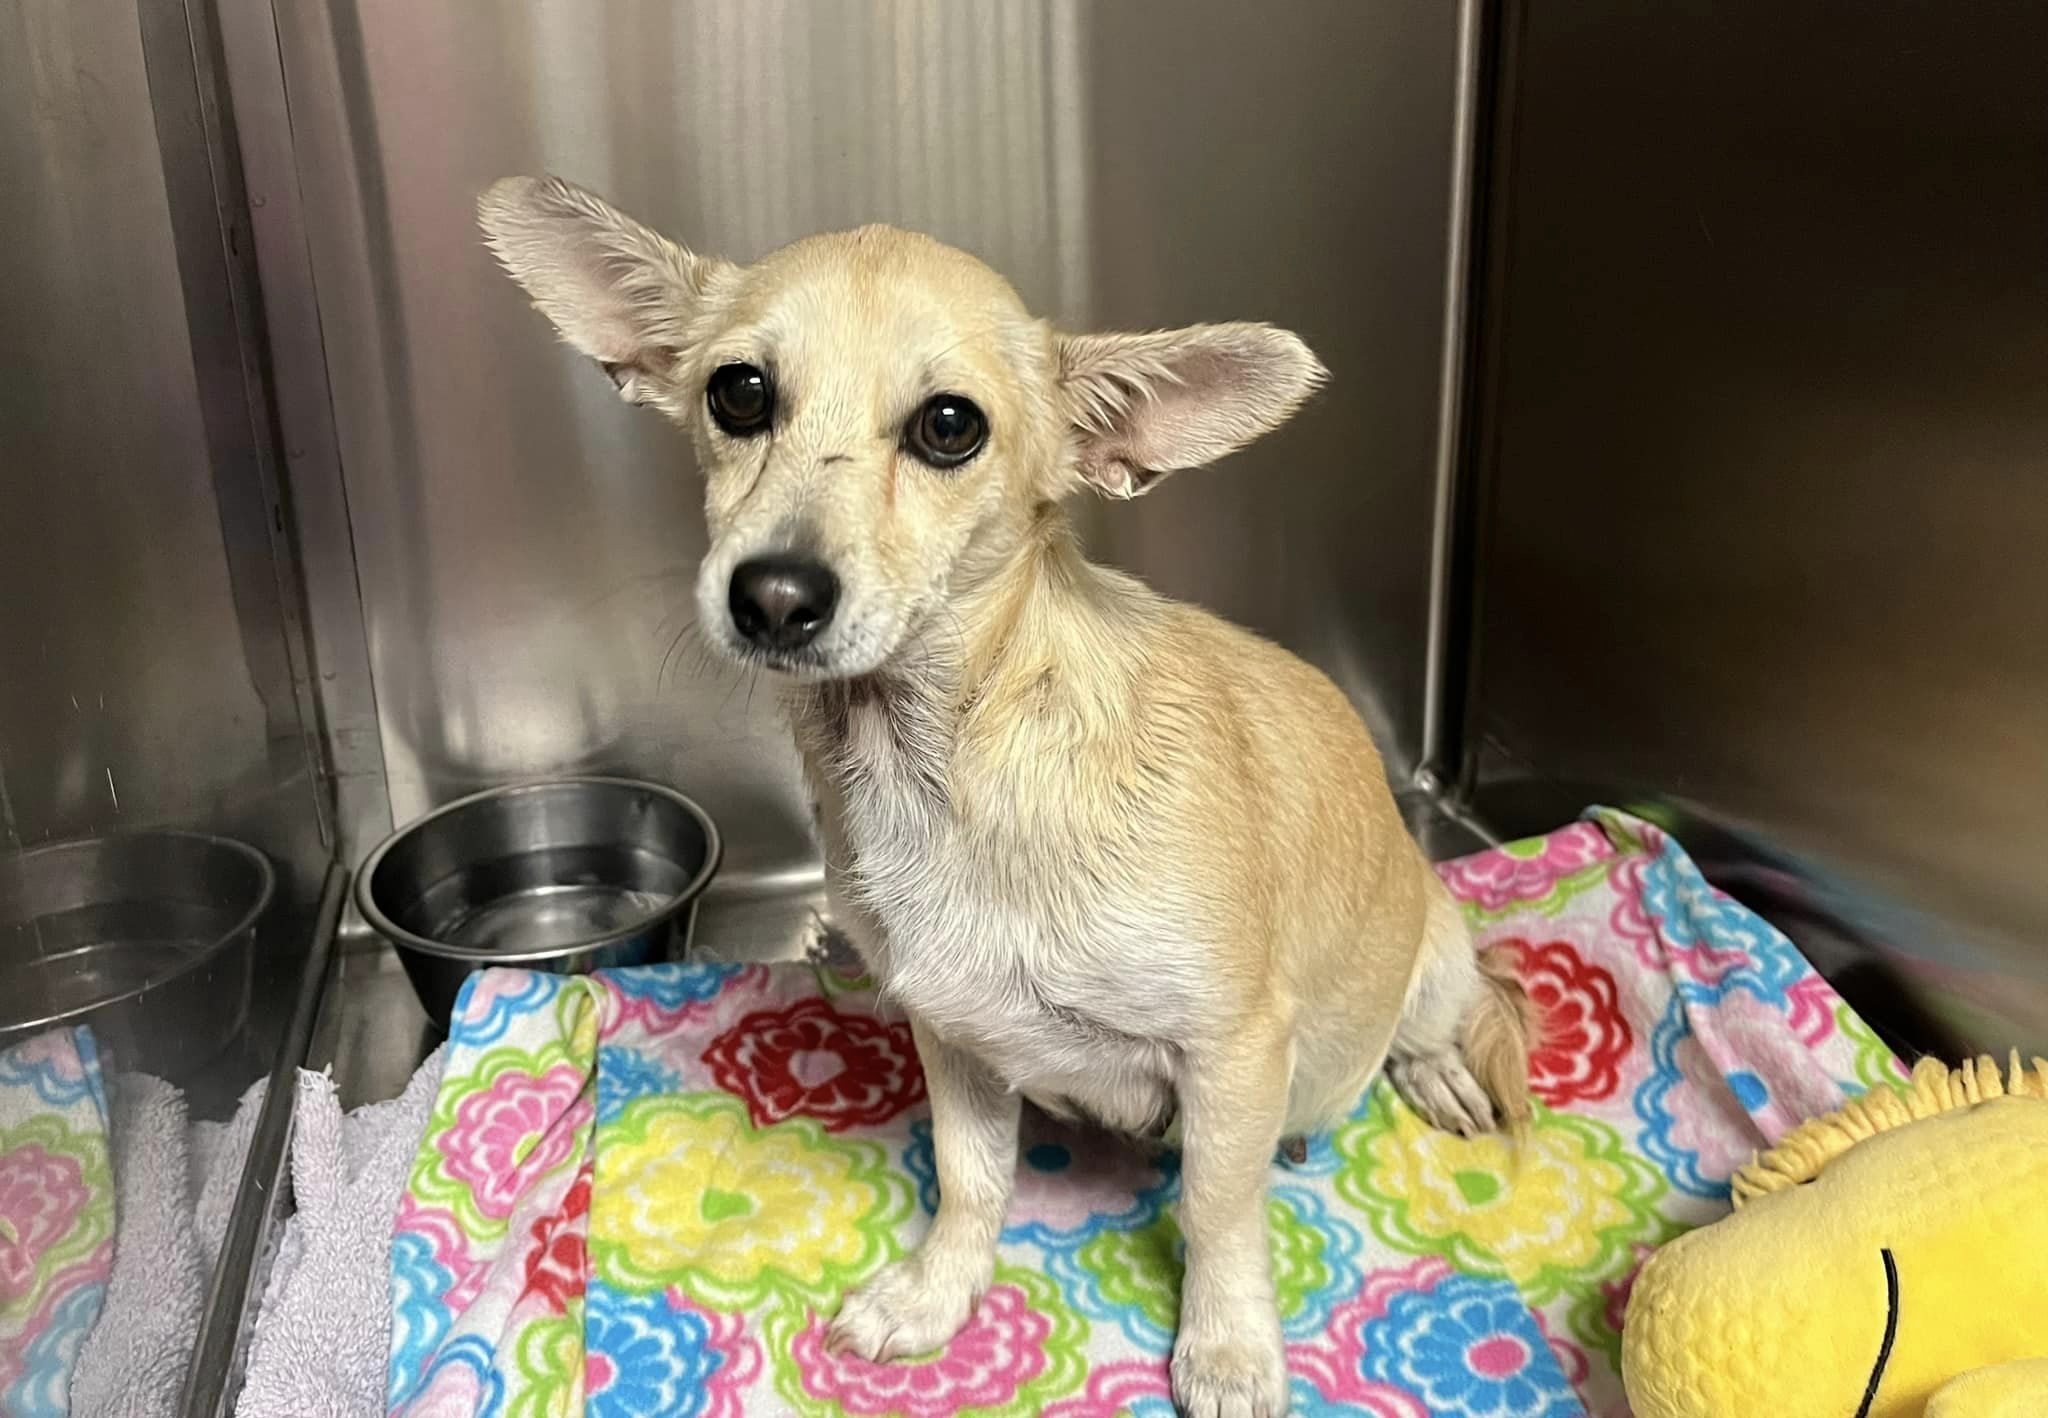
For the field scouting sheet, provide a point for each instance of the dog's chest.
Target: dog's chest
(988, 933)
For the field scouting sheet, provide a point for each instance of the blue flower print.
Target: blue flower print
(1468, 1349)
(673, 986)
(44, 1386)
(1676, 1111)
(646, 1355)
(1315, 1260)
(1691, 912)
(419, 1319)
(624, 1074)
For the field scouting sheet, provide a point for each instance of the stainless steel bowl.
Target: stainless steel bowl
(572, 875)
(146, 936)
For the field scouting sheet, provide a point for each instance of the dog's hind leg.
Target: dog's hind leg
(916, 1304)
(1460, 1055)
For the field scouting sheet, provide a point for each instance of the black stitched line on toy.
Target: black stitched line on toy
(1891, 1332)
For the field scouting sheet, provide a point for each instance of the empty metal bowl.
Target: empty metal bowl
(145, 936)
(572, 875)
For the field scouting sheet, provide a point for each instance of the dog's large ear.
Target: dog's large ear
(1143, 406)
(616, 290)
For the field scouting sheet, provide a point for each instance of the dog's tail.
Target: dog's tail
(1495, 1038)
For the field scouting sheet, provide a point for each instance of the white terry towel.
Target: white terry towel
(218, 1152)
(132, 1365)
(323, 1333)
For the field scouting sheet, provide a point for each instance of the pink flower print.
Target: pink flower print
(1810, 1006)
(444, 1234)
(999, 1352)
(1135, 1386)
(725, 1392)
(41, 1195)
(491, 985)
(497, 996)
(54, 1051)
(1525, 871)
(511, 1132)
(1348, 1390)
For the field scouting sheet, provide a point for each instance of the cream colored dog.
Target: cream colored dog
(1110, 853)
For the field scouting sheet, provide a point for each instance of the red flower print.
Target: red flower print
(1615, 1294)
(555, 1267)
(1581, 1034)
(844, 1070)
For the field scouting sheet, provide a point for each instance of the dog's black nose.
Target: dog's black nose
(782, 602)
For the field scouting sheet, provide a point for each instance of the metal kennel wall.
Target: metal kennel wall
(1758, 474)
(525, 546)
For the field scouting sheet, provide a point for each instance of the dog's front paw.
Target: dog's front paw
(1237, 1377)
(902, 1311)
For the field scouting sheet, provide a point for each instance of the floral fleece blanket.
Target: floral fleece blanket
(645, 1193)
(56, 1216)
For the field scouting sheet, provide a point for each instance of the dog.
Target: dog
(1109, 852)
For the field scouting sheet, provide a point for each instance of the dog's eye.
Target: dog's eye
(740, 398)
(947, 431)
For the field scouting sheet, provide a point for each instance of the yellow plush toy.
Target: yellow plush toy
(1889, 1260)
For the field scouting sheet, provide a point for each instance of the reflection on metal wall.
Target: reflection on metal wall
(123, 697)
(1290, 163)
(139, 683)
(1769, 488)
(146, 676)
(526, 545)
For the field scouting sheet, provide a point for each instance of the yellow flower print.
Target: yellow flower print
(689, 1193)
(1570, 1200)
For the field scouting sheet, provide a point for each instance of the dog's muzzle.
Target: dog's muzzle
(782, 603)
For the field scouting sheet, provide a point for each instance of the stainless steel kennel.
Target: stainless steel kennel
(1685, 452)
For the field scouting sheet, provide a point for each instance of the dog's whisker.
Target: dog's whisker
(731, 689)
(703, 660)
(681, 638)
